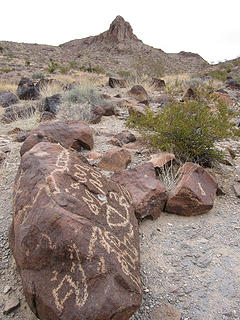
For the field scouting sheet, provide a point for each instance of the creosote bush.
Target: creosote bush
(188, 129)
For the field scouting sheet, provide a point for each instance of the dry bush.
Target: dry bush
(28, 122)
(81, 77)
(140, 79)
(8, 86)
(51, 89)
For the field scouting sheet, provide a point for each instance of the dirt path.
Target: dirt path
(191, 262)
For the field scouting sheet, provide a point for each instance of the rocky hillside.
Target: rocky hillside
(116, 50)
(119, 49)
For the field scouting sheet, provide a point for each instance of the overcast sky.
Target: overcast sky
(208, 27)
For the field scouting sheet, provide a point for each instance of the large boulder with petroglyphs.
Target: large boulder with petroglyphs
(74, 237)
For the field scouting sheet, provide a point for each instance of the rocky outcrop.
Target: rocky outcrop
(74, 237)
(194, 193)
(73, 134)
(148, 193)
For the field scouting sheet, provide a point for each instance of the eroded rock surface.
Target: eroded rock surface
(74, 237)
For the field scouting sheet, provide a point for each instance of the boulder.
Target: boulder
(73, 134)
(125, 137)
(148, 193)
(74, 237)
(115, 159)
(117, 83)
(194, 193)
(138, 92)
(26, 90)
(97, 112)
(7, 98)
(50, 104)
(158, 84)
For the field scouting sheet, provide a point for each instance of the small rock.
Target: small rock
(6, 289)
(159, 160)
(115, 159)
(21, 136)
(7, 98)
(11, 305)
(166, 312)
(236, 188)
(2, 156)
(94, 155)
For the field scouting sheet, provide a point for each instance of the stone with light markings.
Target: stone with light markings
(194, 193)
(74, 237)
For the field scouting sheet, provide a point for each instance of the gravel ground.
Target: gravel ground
(193, 263)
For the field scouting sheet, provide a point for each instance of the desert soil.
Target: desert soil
(193, 263)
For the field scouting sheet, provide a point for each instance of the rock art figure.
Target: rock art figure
(74, 237)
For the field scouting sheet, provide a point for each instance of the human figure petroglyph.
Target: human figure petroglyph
(67, 286)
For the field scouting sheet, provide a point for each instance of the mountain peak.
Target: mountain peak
(120, 30)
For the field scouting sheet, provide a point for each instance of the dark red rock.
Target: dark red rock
(138, 92)
(74, 134)
(7, 98)
(115, 159)
(74, 237)
(148, 193)
(125, 137)
(26, 90)
(195, 191)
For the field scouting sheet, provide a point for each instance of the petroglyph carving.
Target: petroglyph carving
(78, 288)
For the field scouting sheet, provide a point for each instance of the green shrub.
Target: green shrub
(38, 75)
(52, 66)
(84, 94)
(124, 74)
(1, 49)
(27, 63)
(187, 129)
(73, 64)
(217, 74)
(63, 69)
